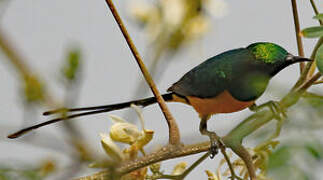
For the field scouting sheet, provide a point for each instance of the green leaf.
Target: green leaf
(315, 149)
(319, 16)
(313, 32)
(319, 59)
(72, 65)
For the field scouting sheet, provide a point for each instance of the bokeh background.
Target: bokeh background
(43, 32)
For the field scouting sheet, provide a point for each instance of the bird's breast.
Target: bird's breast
(222, 103)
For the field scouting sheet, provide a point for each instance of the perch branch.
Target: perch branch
(297, 31)
(232, 140)
(174, 135)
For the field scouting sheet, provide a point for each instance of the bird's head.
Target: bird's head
(272, 58)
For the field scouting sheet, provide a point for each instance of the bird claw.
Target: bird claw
(216, 143)
(275, 108)
(214, 149)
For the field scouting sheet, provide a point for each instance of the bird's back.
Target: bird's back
(213, 76)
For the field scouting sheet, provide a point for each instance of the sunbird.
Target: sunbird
(226, 83)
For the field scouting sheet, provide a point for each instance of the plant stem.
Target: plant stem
(309, 82)
(307, 68)
(313, 65)
(318, 82)
(231, 168)
(315, 10)
(194, 165)
(174, 135)
(13, 57)
(297, 32)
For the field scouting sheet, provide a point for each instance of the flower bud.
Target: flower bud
(111, 148)
(124, 132)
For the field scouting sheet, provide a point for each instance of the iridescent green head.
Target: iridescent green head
(272, 58)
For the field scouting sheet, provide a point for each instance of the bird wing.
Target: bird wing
(213, 76)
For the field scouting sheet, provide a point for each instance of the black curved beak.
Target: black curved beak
(295, 59)
(301, 59)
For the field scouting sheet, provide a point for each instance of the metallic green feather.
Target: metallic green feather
(244, 72)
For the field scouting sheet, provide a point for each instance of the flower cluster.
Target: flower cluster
(127, 133)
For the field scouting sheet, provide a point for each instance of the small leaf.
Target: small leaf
(319, 16)
(72, 65)
(319, 59)
(315, 149)
(312, 32)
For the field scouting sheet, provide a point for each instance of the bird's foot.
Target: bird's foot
(216, 143)
(215, 140)
(275, 108)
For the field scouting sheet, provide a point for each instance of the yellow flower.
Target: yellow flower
(179, 168)
(111, 148)
(122, 131)
(212, 176)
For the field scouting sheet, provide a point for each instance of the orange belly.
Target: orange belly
(223, 103)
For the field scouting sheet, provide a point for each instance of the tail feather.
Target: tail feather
(91, 110)
(141, 102)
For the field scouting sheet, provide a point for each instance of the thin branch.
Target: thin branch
(308, 66)
(310, 82)
(24, 71)
(194, 165)
(315, 10)
(167, 152)
(297, 31)
(12, 55)
(19, 64)
(174, 135)
(245, 156)
(230, 165)
(318, 82)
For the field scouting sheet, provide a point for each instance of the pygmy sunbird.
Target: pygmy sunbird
(228, 82)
